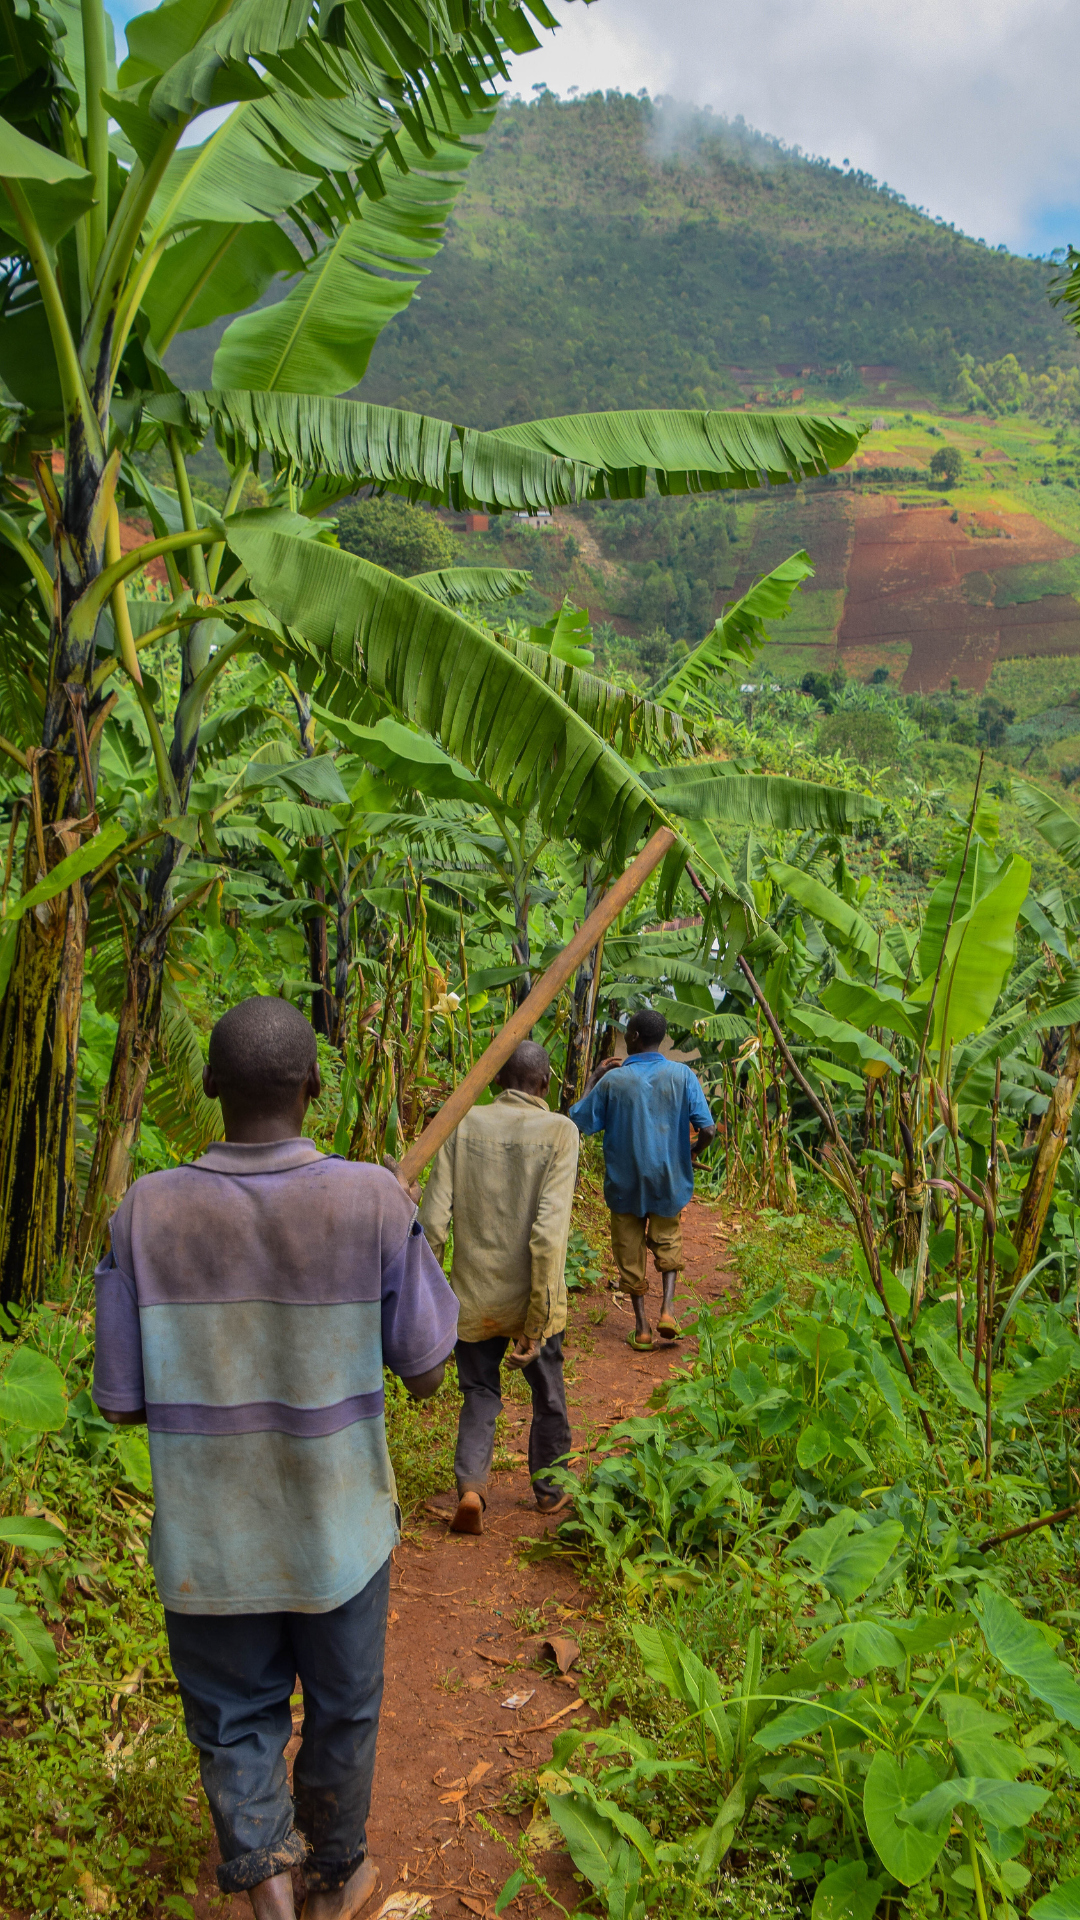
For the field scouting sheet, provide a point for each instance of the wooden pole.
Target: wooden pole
(521, 1023)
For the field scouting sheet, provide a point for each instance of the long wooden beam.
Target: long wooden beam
(521, 1023)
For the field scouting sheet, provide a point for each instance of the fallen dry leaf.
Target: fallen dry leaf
(477, 1773)
(451, 1799)
(497, 1659)
(516, 1700)
(394, 1616)
(564, 1650)
(404, 1906)
(474, 1906)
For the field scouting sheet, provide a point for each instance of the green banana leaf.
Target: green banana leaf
(855, 931)
(1059, 828)
(472, 586)
(716, 790)
(978, 956)
(738, 635)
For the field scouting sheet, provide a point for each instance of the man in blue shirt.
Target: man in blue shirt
(645, 1107)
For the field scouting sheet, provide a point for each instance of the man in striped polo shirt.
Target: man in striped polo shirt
(245, 1313)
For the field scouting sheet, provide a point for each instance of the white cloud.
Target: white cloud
(965, 108)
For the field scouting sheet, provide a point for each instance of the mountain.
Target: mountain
(613, 252)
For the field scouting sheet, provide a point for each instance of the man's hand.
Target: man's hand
(423, 1385)
(597, 1074)
(411, 1187)
(525, 1349)
(705, 1138)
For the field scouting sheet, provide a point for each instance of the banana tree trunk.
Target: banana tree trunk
(140, 1018)
(121, 1118)
(1049, 1147)
(42, 1006)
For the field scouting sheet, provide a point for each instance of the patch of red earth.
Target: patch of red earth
(135, 533)
(906, 581)
(448, 1745)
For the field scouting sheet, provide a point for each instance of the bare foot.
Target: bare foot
(469, 1517)
(345, 1901)
(273, 1899)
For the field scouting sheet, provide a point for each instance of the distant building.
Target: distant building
(475, 523)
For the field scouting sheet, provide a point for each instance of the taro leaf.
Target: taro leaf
(36, 1535)
(31, 1638)
(1021, 1386)
(32, 1393)
(847, 1566)
(815, 1445)
(134, 1455)
(973, 1737)
(932, 1630)
(590, 1838)
(1019, 1647)
(795, 1723)
(869, 1644)
(889, 1791)
(1061, 1903)
(847, 1893)
(998, 1803)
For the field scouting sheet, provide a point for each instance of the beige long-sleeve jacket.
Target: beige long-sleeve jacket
(506, 1179)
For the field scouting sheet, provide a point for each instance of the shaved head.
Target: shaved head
(262, 1054)
(528, 1069)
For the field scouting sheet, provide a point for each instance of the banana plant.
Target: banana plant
(121, 240)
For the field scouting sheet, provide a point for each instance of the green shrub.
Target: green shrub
(871, 738)
(395, 535)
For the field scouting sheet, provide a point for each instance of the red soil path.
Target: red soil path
(442, 1718)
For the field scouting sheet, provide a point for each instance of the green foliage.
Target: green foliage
(399, 537)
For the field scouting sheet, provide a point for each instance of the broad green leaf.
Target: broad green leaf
(797, 1722)
(998, 1803)
(1023, 1383)
(1061, 1903)
(38, 1535)
(219, 268)
(847, 1893)
(472, 586)
(712, 790)
(71, 868)
(953, 1372)
(590, 1838)
(134, 1455)
(319, 338)
(411, 759)
(1019, 1647)
(841, 1037)
(228, 180)
(57, 191)
(825, 905)
(32, 1393)
(863, 1006)
(978, 955)
(974, 1735)
(318, 778)
(30, 1637)
(845, 1565)
(890, 1790)
(689, 452)
(510, 1891)
(512, 468)
(480, 703)
(1059, 828)
(669, 1660)
(738, 635)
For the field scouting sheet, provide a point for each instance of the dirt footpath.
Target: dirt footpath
(464, 1634)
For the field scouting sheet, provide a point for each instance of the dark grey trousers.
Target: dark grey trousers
(478, 1364)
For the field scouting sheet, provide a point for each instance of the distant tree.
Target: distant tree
(654, 651)
(817, 685)
(871, 738)
(879, 677)
(395, 535)
(946, 465)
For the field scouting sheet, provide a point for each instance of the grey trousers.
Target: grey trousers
(478, 1364)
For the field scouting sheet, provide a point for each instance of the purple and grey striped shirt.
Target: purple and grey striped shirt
(250, 1302)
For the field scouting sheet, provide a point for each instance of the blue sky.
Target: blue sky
(965, 108)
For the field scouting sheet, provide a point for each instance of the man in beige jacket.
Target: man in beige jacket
(506, 1179)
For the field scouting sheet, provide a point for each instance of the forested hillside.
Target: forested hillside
(606, 253)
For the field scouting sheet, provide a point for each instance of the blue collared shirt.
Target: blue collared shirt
(644, 1110)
